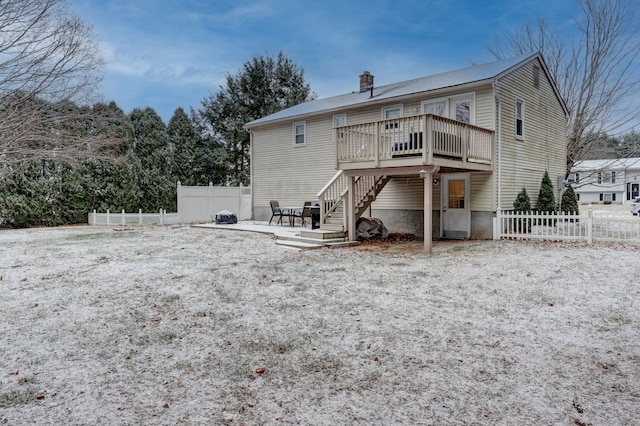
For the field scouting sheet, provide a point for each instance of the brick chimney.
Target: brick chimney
(366, 81)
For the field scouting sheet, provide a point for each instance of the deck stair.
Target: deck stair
(366, 188)
(315, 238)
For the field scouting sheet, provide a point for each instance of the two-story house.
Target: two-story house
(433, 156)
(614, 180)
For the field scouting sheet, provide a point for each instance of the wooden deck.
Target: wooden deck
(417, 140)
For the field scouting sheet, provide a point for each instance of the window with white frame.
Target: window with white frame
(436, 107)
(519, 118)
(339, 120)
(300, 133)
(389, 113)
(607, 176)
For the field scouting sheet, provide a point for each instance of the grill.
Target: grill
(226, 217)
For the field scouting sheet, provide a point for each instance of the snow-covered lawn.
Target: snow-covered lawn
(179, 325)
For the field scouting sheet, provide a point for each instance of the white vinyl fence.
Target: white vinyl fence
(195, 204)
(584, 226)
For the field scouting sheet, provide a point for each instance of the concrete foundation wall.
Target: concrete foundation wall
(412, 222)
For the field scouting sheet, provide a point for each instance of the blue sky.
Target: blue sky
(168, 54)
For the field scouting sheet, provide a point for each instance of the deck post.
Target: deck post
(351, 210)
(427, 178)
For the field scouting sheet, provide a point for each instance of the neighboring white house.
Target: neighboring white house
(615, 180)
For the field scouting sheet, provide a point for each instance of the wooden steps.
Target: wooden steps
(314, 239)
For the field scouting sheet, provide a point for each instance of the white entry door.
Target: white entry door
(456, 212)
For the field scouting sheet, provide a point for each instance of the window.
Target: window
(536, 77)
(340, 120)
(389, 113)
(608, 197)
(463, 111)
(519, 118)
(462, 107)
(300, 133)
(606, 176)
(436, 106)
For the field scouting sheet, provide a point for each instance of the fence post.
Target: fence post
(590, 224)
(93, 218)
(496, 224)
(160, 218)
(108, 217)
(122, 219)
(179, 205)
(139, 216)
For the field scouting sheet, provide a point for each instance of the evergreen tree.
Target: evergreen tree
(522, 204)
(546, 199)
(263, 86)
(184, 141)
(569, 201)
(152, 161)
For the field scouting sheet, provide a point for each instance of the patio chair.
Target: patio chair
(302, 214)
(277, 211)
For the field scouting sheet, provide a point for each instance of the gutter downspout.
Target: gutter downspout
(498, 143)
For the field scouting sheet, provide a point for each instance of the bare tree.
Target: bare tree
(597, 68)
(49, 67)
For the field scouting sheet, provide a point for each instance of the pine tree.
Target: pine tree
(522, 204)
(153, 161)
(184, 141)
(569, 201)
(263, 86)
(546, 199)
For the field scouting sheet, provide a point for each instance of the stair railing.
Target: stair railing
(334, 192)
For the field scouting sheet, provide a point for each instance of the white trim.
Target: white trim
(295, 134)
(470, 96)
(339, 117)
(390, 108)
(515, 118)
(434, 101)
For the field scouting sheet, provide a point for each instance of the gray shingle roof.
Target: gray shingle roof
(457, 77)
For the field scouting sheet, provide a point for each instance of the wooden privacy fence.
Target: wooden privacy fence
(585, 226)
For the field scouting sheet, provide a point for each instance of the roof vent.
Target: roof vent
(366, 81)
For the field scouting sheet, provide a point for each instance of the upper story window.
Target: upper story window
(389, 113)
(436, 107)
(519, 119)
(300, 133)
(463, 110)
(340, 120)
(606, 176)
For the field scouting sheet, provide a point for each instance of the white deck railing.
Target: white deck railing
(423, 136)
(584, 226)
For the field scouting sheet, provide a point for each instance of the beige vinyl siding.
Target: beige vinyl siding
(291, 174)
(405, 193)
(482, 191)
(485, 112)
(543, 148)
